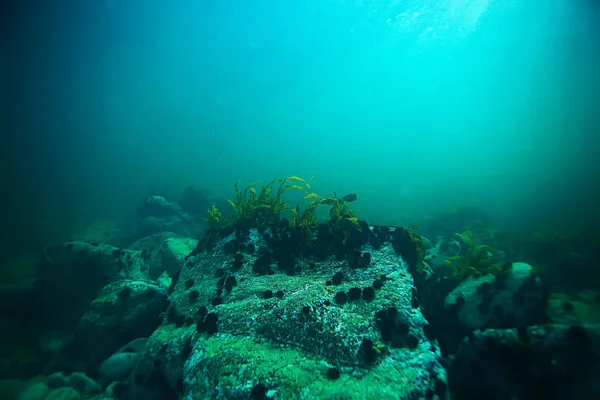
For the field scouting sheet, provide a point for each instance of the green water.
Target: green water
(414, 105)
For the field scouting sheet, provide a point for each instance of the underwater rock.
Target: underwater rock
(159, 372)
(287, 343)
(490, 301)
(71, 274)
(156, 214)
(135, 346)
(538, 362)
(123, 311)
(83, 384)
(111, 390)
(165, 252)
(57, 380)
(61, 384)
(65, 393)
(102, 230)
(37, 391)
(436, 254)
(159, 207)
(583, 308)
(118, 366)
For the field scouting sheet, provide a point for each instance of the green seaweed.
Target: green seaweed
(215, 219)
(417, 240)
(266, 205)
(474, 260)
(305, 222)
(340, 216)
(217, 224)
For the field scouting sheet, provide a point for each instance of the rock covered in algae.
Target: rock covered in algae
(329, 330)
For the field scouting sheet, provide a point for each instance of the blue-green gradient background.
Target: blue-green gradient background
(414, 105)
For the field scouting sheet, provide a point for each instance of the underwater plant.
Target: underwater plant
(409, 245)
(417, 240)
(215, 219)
(474, 260)
(342, 224)
(341, 219)
(217, 224)
(304, 222)
(267, 206)
(340, 209)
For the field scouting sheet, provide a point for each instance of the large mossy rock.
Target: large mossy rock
(123, 311)
(70, 276)
(246, 319)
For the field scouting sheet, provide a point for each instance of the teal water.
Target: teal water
(414, 105)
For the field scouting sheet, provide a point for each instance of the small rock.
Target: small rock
(37, 391)
(135, 346)
(166, 252)
(57, 380)
(118, 366)
(481, 304)
(110, 390)
(66, 393)
(84, 384)
(127, 308)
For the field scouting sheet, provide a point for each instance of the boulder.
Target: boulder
(490, 301)
(157, 214)
(118, 366)
(245, 319)
(165, 252)
(71, 274)
(65, 393)
(37, 391)
(538, 362)
(123, 311)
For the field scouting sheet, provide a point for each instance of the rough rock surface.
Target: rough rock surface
(123, 311)
(320, 330)
(118, 366)
(538, 362)
(157, 214)
(499, 302)
(436, 254)
(70, 276)
(165, 252)
(60, 386)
